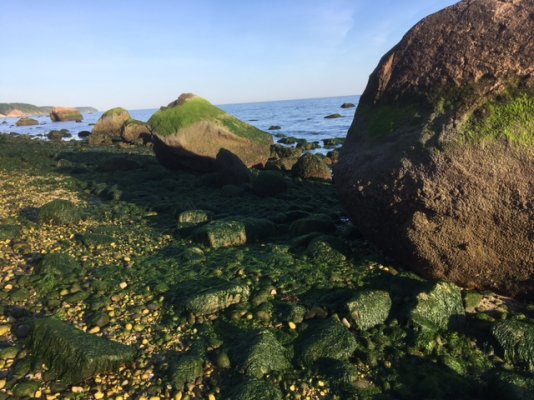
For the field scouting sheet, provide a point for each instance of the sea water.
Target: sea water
(303, 119)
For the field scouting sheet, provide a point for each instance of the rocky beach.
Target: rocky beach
(195, 256)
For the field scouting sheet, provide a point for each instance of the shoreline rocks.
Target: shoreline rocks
(59, 114)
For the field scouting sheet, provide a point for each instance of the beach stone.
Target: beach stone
(262, 355)
(135, 132)
(25, 121)
(348, 105)
(254, 389)
(324, 339)
(72, 355)
(108, 128)
(274, 128)
(314, 223)
(334, 116)
(311, 166)
(213, 299)
(279, 151)
(190, 132)
(221, 233)
(437, 166)
(58, 135)
(517, 340)
(84, 134)
(437, 307)
(59, 212)
(269, 183)
(369, 308)
(59, 114)
(9, 231)
(26, 389)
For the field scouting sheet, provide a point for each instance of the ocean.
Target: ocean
(303, 119)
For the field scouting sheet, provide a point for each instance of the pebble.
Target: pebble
(123, 285)
(94, 329)
(99, 395)
(2, 383)
(292, 325)
(4, 329)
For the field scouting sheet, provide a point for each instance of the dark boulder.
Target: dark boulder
(312, 166)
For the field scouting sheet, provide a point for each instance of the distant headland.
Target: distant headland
(12, 110)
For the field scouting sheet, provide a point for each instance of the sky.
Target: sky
(143, 54)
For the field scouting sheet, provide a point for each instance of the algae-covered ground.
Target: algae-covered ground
(121, 279)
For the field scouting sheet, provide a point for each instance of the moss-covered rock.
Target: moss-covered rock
(59, 212)
(9, 231)
(59, 114)
(136, 132)
(216, 298)
(324, 339)
(269, 183)
(25, 121)
(262, 355)
(193, 217)
(286, 312)
(73, 355)
(438, 307)
(221, 233)
(190, 132)
(109, 126)
(188, 367)
(58, 135)
(26, 389)
(255, 389)
(312, 166)
(517, 340)
(369, 308)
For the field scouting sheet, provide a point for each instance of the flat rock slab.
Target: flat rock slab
(73, 355)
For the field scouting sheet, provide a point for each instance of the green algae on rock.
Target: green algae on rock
(216, 298)
(188, 367)
(221, 233)
(59, 212)
(25, 121)
(191, 131)
(369, 308)
(438, 307)
(73, 355)
(9, 231)
(312, 166)
(517, 340)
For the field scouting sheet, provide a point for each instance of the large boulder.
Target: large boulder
(109, 126)
(437, 165)
(25, 121)
(190, 132)
(59, 114)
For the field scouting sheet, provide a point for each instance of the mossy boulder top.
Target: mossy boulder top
(437, 165)
(25, 121)
(111, 122)
(59, 114)
(190, 132)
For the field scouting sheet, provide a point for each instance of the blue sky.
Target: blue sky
(142, 54)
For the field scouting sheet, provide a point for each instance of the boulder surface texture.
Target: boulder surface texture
(190, 132)
(437, 168)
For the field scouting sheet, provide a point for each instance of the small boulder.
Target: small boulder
(9, 231)
(59, 212)
(437, 307)
(57, 135)
(84, 134)
(135, 132)
(25, 121)
(108, 128)
(274, 128)
(333, 116)
(348, 105)
(188, 367)
(193, 218)
(72, 355)
(221, 233)
(369, 308)
(258, 228)
(517, 340)
(59, 114)
(312, 166)
(230, 169)
(215, 298)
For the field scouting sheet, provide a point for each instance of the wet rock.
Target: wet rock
(285, 312)
(26, 389)
(438, 307)
(9, 231)
(255, 389)
(221, 233)
(59, 212)
(333, 116)
(324, 339)
(348, 105)
(59, 114)
(84, 134)
(269, 183)
(437, 165)
(263, 355)
(73, 355)
(274, 128)
(190, 132)
(187, 368)
(369, 308)
(58, 135)
(311, 166)
(108, 128)
(216, 298)
(27, 122)
(517, 340)
(314, 223)
(333, 142)
(326, 249)
(135, 132)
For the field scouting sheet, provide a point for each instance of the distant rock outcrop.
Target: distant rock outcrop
(438, 165)
(59, 114)
(190, 132)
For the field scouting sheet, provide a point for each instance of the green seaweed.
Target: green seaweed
(59, 212)
(517, 340)
(370, 308)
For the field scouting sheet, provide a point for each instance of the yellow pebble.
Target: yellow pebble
(2, 383)
(99, 395)
(292, 325)
(123, 285)
(320, 383)
(119, 398)
(4, 329)
(211, 396)
(154, 398)
(128, 326)
(38, 394)
(94, 329)
(178, 396)
(8, 287)
(292, 388)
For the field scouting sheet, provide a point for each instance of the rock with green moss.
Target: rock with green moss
(72, 355)
(262, 355)
(215, 298)
(369, 308)
(25, 121)
(9, 231)
(193, 218)
(188, 367)
(190, 132)
(324, 339)
(135, 132)
(109, 126)
(269, 183)
(516, 338)
(60, 114)
(59, 212)
(437, 165)
(439, 307)
(26, 389)
(221, 233)
(255, 389)
(508, 385)
(312, 166)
